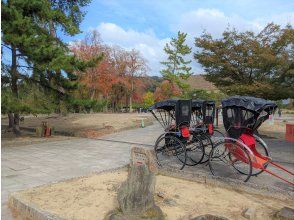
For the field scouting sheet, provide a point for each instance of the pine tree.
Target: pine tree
(176, 66)
(37, 54)
(248, 63)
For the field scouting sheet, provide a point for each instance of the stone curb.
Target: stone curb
(29, 211)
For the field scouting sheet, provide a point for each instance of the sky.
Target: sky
(148, 25)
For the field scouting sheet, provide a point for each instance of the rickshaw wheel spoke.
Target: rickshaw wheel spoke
(195, 152)
(174, 153)
(230, 165)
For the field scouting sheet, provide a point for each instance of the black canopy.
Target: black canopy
(250, 103)
(198, 103)
(165, 105)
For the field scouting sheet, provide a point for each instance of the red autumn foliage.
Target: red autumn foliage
(117, 77)
(166, 90)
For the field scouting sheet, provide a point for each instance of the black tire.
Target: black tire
(217, 136)
(262, 149)
(223, 163)
(195, 152)
(170, 151)
(207, 145)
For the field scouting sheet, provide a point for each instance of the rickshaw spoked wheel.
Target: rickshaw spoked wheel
(170, 151)
(195, 151)
(261, 149)
(207, 145)
(229, 159)
(217, 136)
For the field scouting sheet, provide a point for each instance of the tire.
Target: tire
(262, 149)
(225, 161)
(195, 152)
(217, 136)
(170, 151)
(207, 146)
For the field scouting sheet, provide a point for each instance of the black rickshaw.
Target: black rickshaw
(176, 146)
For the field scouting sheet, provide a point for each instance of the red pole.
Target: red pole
(282, 168)
(270, 172)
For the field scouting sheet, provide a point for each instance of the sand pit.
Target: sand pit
(94, 196)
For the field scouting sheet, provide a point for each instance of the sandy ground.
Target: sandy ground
(83, 125)
(276, 129)
(94, 196)
(79, 122)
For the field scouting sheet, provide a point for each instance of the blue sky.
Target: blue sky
(148, 25)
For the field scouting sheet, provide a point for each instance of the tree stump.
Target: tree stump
(136, 194)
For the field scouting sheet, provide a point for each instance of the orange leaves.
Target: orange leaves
(118, 76)
(98, 79)
(167, 90)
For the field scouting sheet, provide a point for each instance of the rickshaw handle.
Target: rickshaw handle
(270, 172)
(281, 167)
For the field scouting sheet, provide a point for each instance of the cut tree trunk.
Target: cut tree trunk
(136, 195)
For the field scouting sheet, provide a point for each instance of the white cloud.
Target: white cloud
(215, 22)
(193, 23)
(281, 19)
(146, 42)
(212, 21)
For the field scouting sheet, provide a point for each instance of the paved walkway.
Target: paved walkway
(36, 164)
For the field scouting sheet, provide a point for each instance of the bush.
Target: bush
(87, 105)
(99, 106)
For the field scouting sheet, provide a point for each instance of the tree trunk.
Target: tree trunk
(14, 90)
(13, 123)
(57, 77)
(131, 97)
(52, 28)
(10, 120)
(16, 128)
(93, 94)
(131, 107)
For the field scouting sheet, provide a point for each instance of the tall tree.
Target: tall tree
(98, 79)
(247, 63)
(136, 67)
(176, 66)
(36, 55)
(68, 24)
